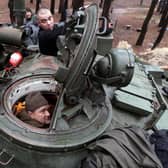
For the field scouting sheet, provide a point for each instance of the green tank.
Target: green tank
(93, 88)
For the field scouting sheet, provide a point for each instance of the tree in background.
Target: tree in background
(163, 28)
(11, 12)
(76, 4)
(141, 2)
(107, 9)
(63, 10)
(101, 3)
(38, 2)
(52, 6)
(161, 6)
(144, 28)
(163, 11)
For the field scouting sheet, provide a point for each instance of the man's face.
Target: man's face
(41, 114)
(28, 15)
(46, 21)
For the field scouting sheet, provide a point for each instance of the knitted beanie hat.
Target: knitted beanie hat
(35, 100)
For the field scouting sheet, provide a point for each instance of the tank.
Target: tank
(92, 89)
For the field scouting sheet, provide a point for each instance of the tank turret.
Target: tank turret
(77, 120)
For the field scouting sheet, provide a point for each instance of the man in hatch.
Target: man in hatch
(36, 112)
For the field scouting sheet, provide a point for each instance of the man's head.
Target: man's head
(37, 107)
(45, 19)
(28, 14)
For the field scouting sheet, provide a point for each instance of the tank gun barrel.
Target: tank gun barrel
(11, 36)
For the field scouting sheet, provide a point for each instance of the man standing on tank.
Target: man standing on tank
(49, 32)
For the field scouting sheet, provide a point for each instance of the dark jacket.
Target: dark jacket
(122, 148)
(47, 40)
(160, 140)
(28, 120)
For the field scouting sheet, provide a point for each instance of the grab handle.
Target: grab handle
(4, 154)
